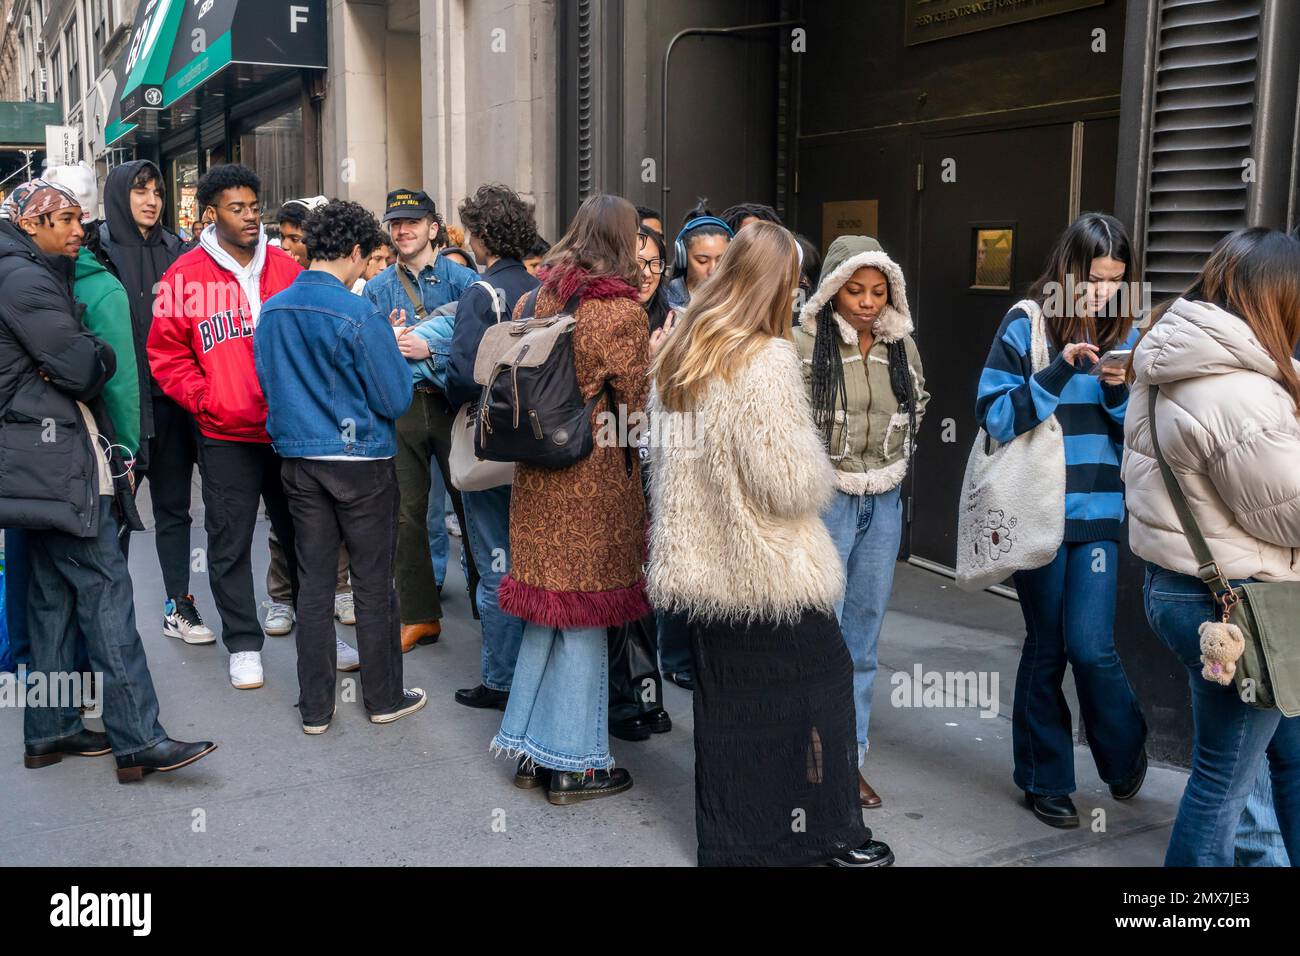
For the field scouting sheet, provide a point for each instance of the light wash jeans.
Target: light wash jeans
(1259, 836)
(866, 530)
(488, 515)
(558, 714)
(439, 540)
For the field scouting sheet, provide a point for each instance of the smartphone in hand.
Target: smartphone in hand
(1115, 358)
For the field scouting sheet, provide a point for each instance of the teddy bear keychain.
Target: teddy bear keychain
(1221, 645)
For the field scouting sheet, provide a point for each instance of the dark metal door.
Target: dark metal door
(1014, 179)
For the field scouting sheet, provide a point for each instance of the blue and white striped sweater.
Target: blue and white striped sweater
(1012, 400)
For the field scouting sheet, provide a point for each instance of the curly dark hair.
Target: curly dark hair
(220, 178)
(501, 220)
(332, 230)
(292, 212)
(539, 248)
(738, 213)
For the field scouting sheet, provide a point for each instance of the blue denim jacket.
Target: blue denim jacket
(441, 282)
(331, 372)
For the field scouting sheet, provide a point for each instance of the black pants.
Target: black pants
(353, 503)
(423, 436)
(236, 474)
(173, 453)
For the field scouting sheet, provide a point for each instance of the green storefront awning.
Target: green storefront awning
(114, 126)
(152, 40)
(176, 46)
(23, 124)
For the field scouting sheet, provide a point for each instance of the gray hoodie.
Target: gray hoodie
(249, 277)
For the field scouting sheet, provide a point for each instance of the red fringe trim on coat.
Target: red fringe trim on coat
(564, 281)
(573, 609)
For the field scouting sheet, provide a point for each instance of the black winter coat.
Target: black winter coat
(48, 363)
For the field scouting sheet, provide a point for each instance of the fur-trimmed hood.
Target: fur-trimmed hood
(846, 256)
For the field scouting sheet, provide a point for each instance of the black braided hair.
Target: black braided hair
(828, 388)
(900, 382)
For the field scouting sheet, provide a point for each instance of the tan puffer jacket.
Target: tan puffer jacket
(1229, 432)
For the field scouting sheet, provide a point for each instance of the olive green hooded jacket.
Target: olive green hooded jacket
(869, 446)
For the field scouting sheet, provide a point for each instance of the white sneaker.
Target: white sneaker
(246, 670)
(181, 619)
(344, 609)
(279, 618)
(453, 524)
(348, 658)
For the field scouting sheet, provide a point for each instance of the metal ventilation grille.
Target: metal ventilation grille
(1201, 124)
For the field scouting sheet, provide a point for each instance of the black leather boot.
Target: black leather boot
(483, 696)
(168, 755)
(529, 776)
(569, 787)
(1127, 789)
(1054, 811)
(629, 728)
(84, 743)
(871, 853)
(658, 721)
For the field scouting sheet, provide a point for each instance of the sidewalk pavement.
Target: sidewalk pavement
(425, 790)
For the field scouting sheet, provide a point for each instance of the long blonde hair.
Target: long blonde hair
(747, 300)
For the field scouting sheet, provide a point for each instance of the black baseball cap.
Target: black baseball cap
(409, 204)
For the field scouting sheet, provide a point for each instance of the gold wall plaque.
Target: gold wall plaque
(937, 19)
(850, 217)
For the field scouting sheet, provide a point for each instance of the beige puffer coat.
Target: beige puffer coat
(1229, 432)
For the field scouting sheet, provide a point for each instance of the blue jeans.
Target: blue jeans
(84, 583)
(17, 576)
(439, 540)
(487, 513)
(1069, 610)
(1259, 838)
(558, 714)
(1229, 739)
(866, 530)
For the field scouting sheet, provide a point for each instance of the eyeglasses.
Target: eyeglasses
(654, 266)
(239, 209)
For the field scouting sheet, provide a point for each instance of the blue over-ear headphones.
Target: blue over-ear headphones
(679, 247)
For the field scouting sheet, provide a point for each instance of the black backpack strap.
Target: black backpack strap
(607, 391)
(530, 305)
(904, 389)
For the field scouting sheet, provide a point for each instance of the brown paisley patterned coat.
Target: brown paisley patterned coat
(577, 534)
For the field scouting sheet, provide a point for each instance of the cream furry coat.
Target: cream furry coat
(735, 496)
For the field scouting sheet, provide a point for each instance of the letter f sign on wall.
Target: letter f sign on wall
(297, 15)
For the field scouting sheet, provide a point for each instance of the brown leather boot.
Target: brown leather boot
(866, 796)
(426, 632)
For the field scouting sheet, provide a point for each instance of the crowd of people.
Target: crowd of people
(332, 374)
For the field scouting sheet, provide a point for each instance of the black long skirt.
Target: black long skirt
(776, 752)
